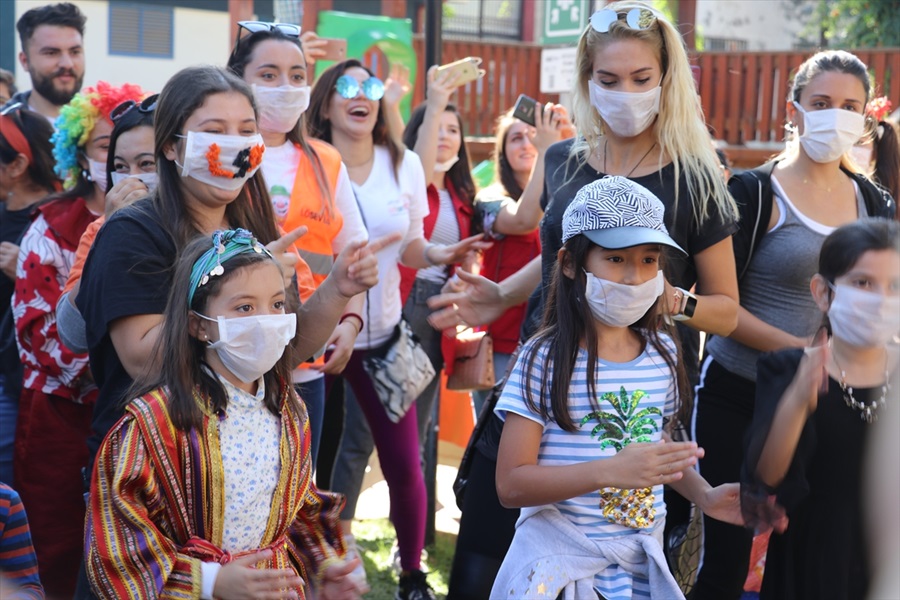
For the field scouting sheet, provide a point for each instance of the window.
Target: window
(483, 18)
(140, 30)
(714, 44)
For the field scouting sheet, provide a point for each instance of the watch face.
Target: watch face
(690, 306)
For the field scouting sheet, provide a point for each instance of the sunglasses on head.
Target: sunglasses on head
(252, 27)
(636, 18)
(147, 105)
(349, 87)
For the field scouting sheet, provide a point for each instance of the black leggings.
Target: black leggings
(486, 530)
(724, 412)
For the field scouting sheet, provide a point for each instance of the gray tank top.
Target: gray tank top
(775, 287)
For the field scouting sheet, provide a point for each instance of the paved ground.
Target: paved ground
(374, 502)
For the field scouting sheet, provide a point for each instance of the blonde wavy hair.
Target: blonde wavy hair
(680, 130)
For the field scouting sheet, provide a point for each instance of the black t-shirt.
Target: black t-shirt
(13, 224)
(127, 272)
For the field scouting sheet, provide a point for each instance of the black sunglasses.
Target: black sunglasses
(252, 27)
(147, 105)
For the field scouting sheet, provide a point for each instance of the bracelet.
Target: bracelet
(429, 246)
(351, 315)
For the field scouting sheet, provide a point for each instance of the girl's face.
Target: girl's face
(254, 290)
(275, 63)
(628, 266)
(225, 113)
(626, 65)
(876, 271)
(831, 89)
(98, 143)
(449, 137)
(134, 151)
(355, 117)
(520, 152)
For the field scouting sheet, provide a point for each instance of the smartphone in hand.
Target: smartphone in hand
(335, 49)
(466, 69)
(524, 109)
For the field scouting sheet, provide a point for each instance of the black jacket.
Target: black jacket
(752, 190)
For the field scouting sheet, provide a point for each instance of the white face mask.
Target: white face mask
(827, 134)
(625, 113)
(862, 318)
(98, 173)
(250, 346)
(151, 180)
(199, 164)
(620, 305)
(445, 166)
(280, 107)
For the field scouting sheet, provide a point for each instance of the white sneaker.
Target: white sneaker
(359, 573)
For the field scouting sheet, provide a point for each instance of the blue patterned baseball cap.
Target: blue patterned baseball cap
(614, 213)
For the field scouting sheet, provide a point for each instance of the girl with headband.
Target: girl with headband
(253, 525)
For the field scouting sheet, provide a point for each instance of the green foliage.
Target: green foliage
(859, 23)
(625, 426)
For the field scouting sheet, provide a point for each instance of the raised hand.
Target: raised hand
(313, 48)
(440, 86)
(241, 580)
(283, 250)
(338, 585)
(455, 253)
(551, 125)
(397, 85)
(481, 303)
(356, 267)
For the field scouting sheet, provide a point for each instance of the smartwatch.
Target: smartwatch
(688, 306)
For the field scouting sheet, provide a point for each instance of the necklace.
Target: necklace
(606, 146)
(867, 412)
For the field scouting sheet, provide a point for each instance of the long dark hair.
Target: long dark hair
(320, 126)
(460, 174)
(37, 132)
(504, 171)
(182, 372)
(130, 120)
(183, 94)
(886, 148)
(568, 322)
(238, 61)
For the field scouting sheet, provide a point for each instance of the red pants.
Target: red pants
(50, 450)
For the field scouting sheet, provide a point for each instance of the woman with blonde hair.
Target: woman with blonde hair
(638, 116)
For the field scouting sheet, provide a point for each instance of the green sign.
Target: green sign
(564, 20)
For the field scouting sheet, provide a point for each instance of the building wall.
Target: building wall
(759, 24)
(199, 37)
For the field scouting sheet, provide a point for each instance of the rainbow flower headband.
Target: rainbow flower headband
(227, 243)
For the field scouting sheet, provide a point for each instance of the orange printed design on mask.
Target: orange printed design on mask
(256, 153)
(215, 167)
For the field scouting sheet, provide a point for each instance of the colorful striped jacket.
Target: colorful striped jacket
(157, 506)
(18, 564)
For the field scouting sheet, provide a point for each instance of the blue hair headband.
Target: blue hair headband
(226, 244)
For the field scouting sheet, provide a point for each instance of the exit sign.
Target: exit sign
(564, 20)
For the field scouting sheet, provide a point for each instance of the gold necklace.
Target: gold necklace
(605, 153)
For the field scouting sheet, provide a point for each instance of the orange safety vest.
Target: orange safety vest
(307, 208)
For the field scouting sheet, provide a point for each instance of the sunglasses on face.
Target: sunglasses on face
(251, 27)
(349, 87)
(636, 18)
(147, 105)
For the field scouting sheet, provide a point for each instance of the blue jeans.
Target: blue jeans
(313, 395)
(9, 411)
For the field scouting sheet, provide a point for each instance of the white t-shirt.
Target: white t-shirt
(445, 232)
(389, 205)
(649, 391)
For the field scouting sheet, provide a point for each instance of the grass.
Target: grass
(375, 537)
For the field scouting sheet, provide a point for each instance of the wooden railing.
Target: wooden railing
(744, 94)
